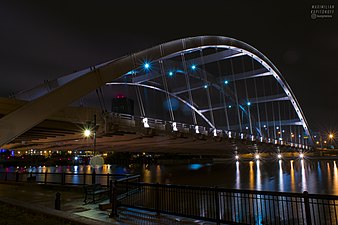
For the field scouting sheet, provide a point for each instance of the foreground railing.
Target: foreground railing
(64, 178)
(229, 206)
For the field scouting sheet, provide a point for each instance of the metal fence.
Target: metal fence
(229, 206)
(65, 178)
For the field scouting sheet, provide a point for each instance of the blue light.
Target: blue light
(171, 73)
(193, 67)
(147, 66)
(226, 82)
(205, 86)
(249, 103)
(195, 166)
(76, 158)
(229, 106)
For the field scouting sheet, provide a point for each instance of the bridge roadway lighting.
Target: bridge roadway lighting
(193, 67)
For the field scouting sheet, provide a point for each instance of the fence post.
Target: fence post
(217, 206)
(58, 201)
(63, 178)
(84, 178)
(46, 177)
(157, 199)
(17, 176)
(307, 208)
(113, 199)
(93, 177)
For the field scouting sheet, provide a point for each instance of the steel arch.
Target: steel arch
(24, 118)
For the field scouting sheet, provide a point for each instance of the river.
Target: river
(314, 176)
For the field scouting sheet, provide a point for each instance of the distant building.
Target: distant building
(121, 104)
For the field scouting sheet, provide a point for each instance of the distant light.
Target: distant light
(277, 128)
(171, 73)
(246, 128)
(87, 133)
(193, 67)
(257, 156)
(301, 155)
(248, 103)
(229, 106)
(147, 66)
(279, 156)
(76, 158)
(206, 86)
(331, 136)
(226, 82)
(236, 157)
(264, 126)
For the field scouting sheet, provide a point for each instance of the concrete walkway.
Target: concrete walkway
(41, 198)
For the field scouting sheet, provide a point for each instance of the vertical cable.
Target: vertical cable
(165, 84)
(222, 94)
(247, 97)
(236, 97)
(257, 103)
(188, 82)
(207, 89)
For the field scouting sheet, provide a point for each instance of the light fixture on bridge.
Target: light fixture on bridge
(146, 65)
(279, 156)
(226, 82)
(301, 155)
(257, 156)
(171, 73)
(175, 127)
(196, 130)
(205, 86)
(229, 106)
(193, 67)
(236, 157)
(248, 103)
(215, 133)
(145, 123)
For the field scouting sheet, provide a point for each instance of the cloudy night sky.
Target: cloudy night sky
(47, 39)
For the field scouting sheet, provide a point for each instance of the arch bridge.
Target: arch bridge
(220, 86)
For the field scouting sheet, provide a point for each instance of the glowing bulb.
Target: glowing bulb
(147, 66)
(87, 133)
(236, 157)
(279, 156)
(193, 67)
(171, 73)
(257, 156)
(301, 155)
(249, 103)
(226, 82)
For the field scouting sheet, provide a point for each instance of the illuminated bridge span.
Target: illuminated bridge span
(221, 84)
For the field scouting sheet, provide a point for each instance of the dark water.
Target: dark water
(314, 176)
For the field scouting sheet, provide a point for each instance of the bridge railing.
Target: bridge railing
(162, 125)
(229, 206)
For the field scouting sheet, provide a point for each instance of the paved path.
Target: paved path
(41, 198)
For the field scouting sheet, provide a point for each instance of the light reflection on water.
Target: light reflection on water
(313, 176)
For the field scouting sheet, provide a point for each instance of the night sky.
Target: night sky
(46, 39)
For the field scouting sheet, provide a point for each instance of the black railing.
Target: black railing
(64, 178)
(229, 206)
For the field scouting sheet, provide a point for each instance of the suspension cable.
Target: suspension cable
(257, 103)
(165, 84)
(188, 82)
(222, 94)
(247, 96)
(236, 97)
(207, 89)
